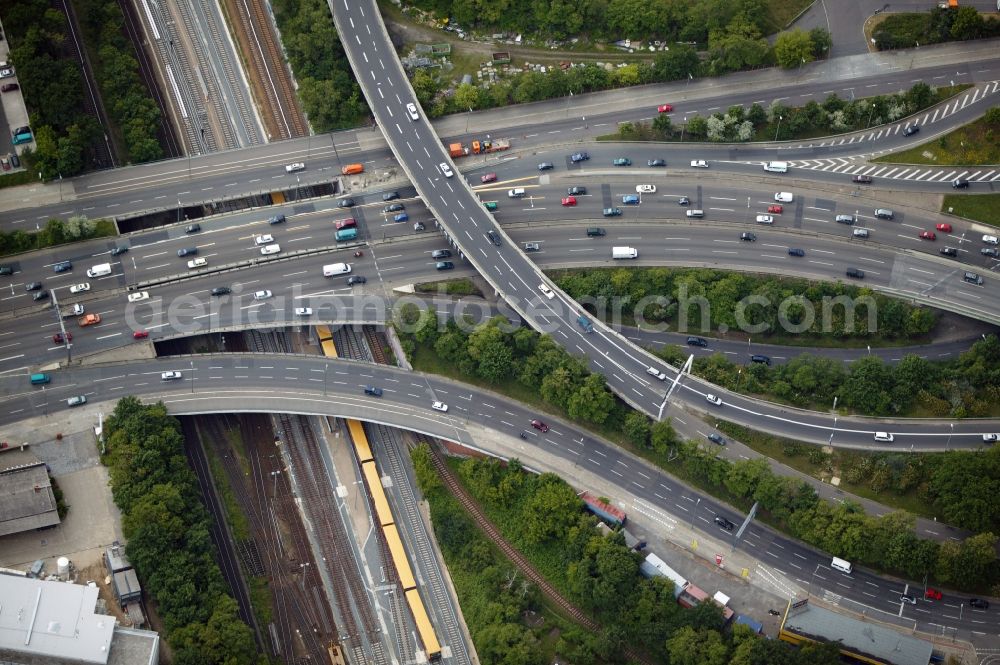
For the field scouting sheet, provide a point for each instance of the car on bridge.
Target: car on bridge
(622, 161)
(546, 291)
(578, 157)
(446, 170)
(645, 189)
(943, 228)
(699, 164)
(928, 235)
(488, 177)
(775, 209)
(80, 288)
(303, 311)
(664, 108)
(411, 110)
(612, 212)
(724, 523)
(263, 240)
(439, 406)
(170, 376)
(862, 179)
(138, 296)
(569, 201)
(297, 166)
(576, 191)
(540, 426)
(263, 294)
(656, 162)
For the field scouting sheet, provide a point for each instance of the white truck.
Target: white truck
(100, 270)
(776, 167)
(624, 252)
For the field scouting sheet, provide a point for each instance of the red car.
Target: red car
(944, 228)
(58, 338)
(539, 425)
(140, 334)
(932, 594)
(928, 235)
(664, 108)
(488, 177)
(775, 209)
(569, 201)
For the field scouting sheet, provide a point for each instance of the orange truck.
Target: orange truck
(352, 169)
(89, 320)
(478, 147)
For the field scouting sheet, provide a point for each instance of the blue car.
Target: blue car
(401, 217)
(630, 199)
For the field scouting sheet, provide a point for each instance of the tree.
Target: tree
(488, 347)
(636, 429)
(663, 125)
(821, 41)
(697, 127)
(688, 646)
(967, 563)
(550, 511)
(677, 63)
(662, 436)
(466, 97)
(793, 48)
(592, 401)
(968, 24)
(992, 116)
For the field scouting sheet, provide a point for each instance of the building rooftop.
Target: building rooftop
(53, 621)
(876, 642)
(26, 498)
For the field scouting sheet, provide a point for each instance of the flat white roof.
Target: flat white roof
(53, 619)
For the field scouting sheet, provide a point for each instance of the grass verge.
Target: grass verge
(451, 287)
(977, 143)
(983, 208)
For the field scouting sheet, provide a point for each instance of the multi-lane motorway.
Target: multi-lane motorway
(311, 385)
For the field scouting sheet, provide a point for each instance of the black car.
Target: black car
(356, 279)
(716, 439)
(494, 237)
(193, 228)
(758, 358)
(576, 191)
(390, 196)
(277, 219)
(221, 291)
(32, 286)
(684, 201)
(119, 250)
(546, 166)
(862, 179)
(948, 251)
(15, 161)
(187, 251)
(374, 391)
(40, 295)
(345, 203)
(63, 266)
(795, 251)
(960, 184)
(911, 130)
(656, 162)
(697, 341)
(724, 523)
(979, 604)
(577, 157)
(746, 236)
(6, 270)
(856, 273)
(394, 207)
(441, 254)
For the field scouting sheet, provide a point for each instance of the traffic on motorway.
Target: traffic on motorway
(207, 383)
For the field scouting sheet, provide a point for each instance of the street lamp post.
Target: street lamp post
(778, 128)
(192, 377)
(948, 445)
(870, 116)
(696, 503)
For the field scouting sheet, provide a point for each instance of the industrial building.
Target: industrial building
(50, 622)
(862, 640)
(28, 501)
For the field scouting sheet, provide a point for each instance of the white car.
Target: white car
(411, 109)
(652, 371)
(262, 295)
(270, 249)
(439, 406)
(713, 399)
(645, 189)
(263, 240)
(546, 291)
(197, 263)
(765, 219)
(784, 197)
(138, 295)
(446, 170)
(991, 438)
(884, 436)
(303, 311)
(699, 163)
(170, 376)
(297, 166)
(80, 288)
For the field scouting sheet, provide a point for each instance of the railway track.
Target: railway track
(390, 451)
(268, 61)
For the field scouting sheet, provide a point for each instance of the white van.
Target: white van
(776, 167)
(990, 240)
(624, 252)
(695, 213)
(100, 270)
(784, 197)
(336, 269)
(841, 565)
(516, 193)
